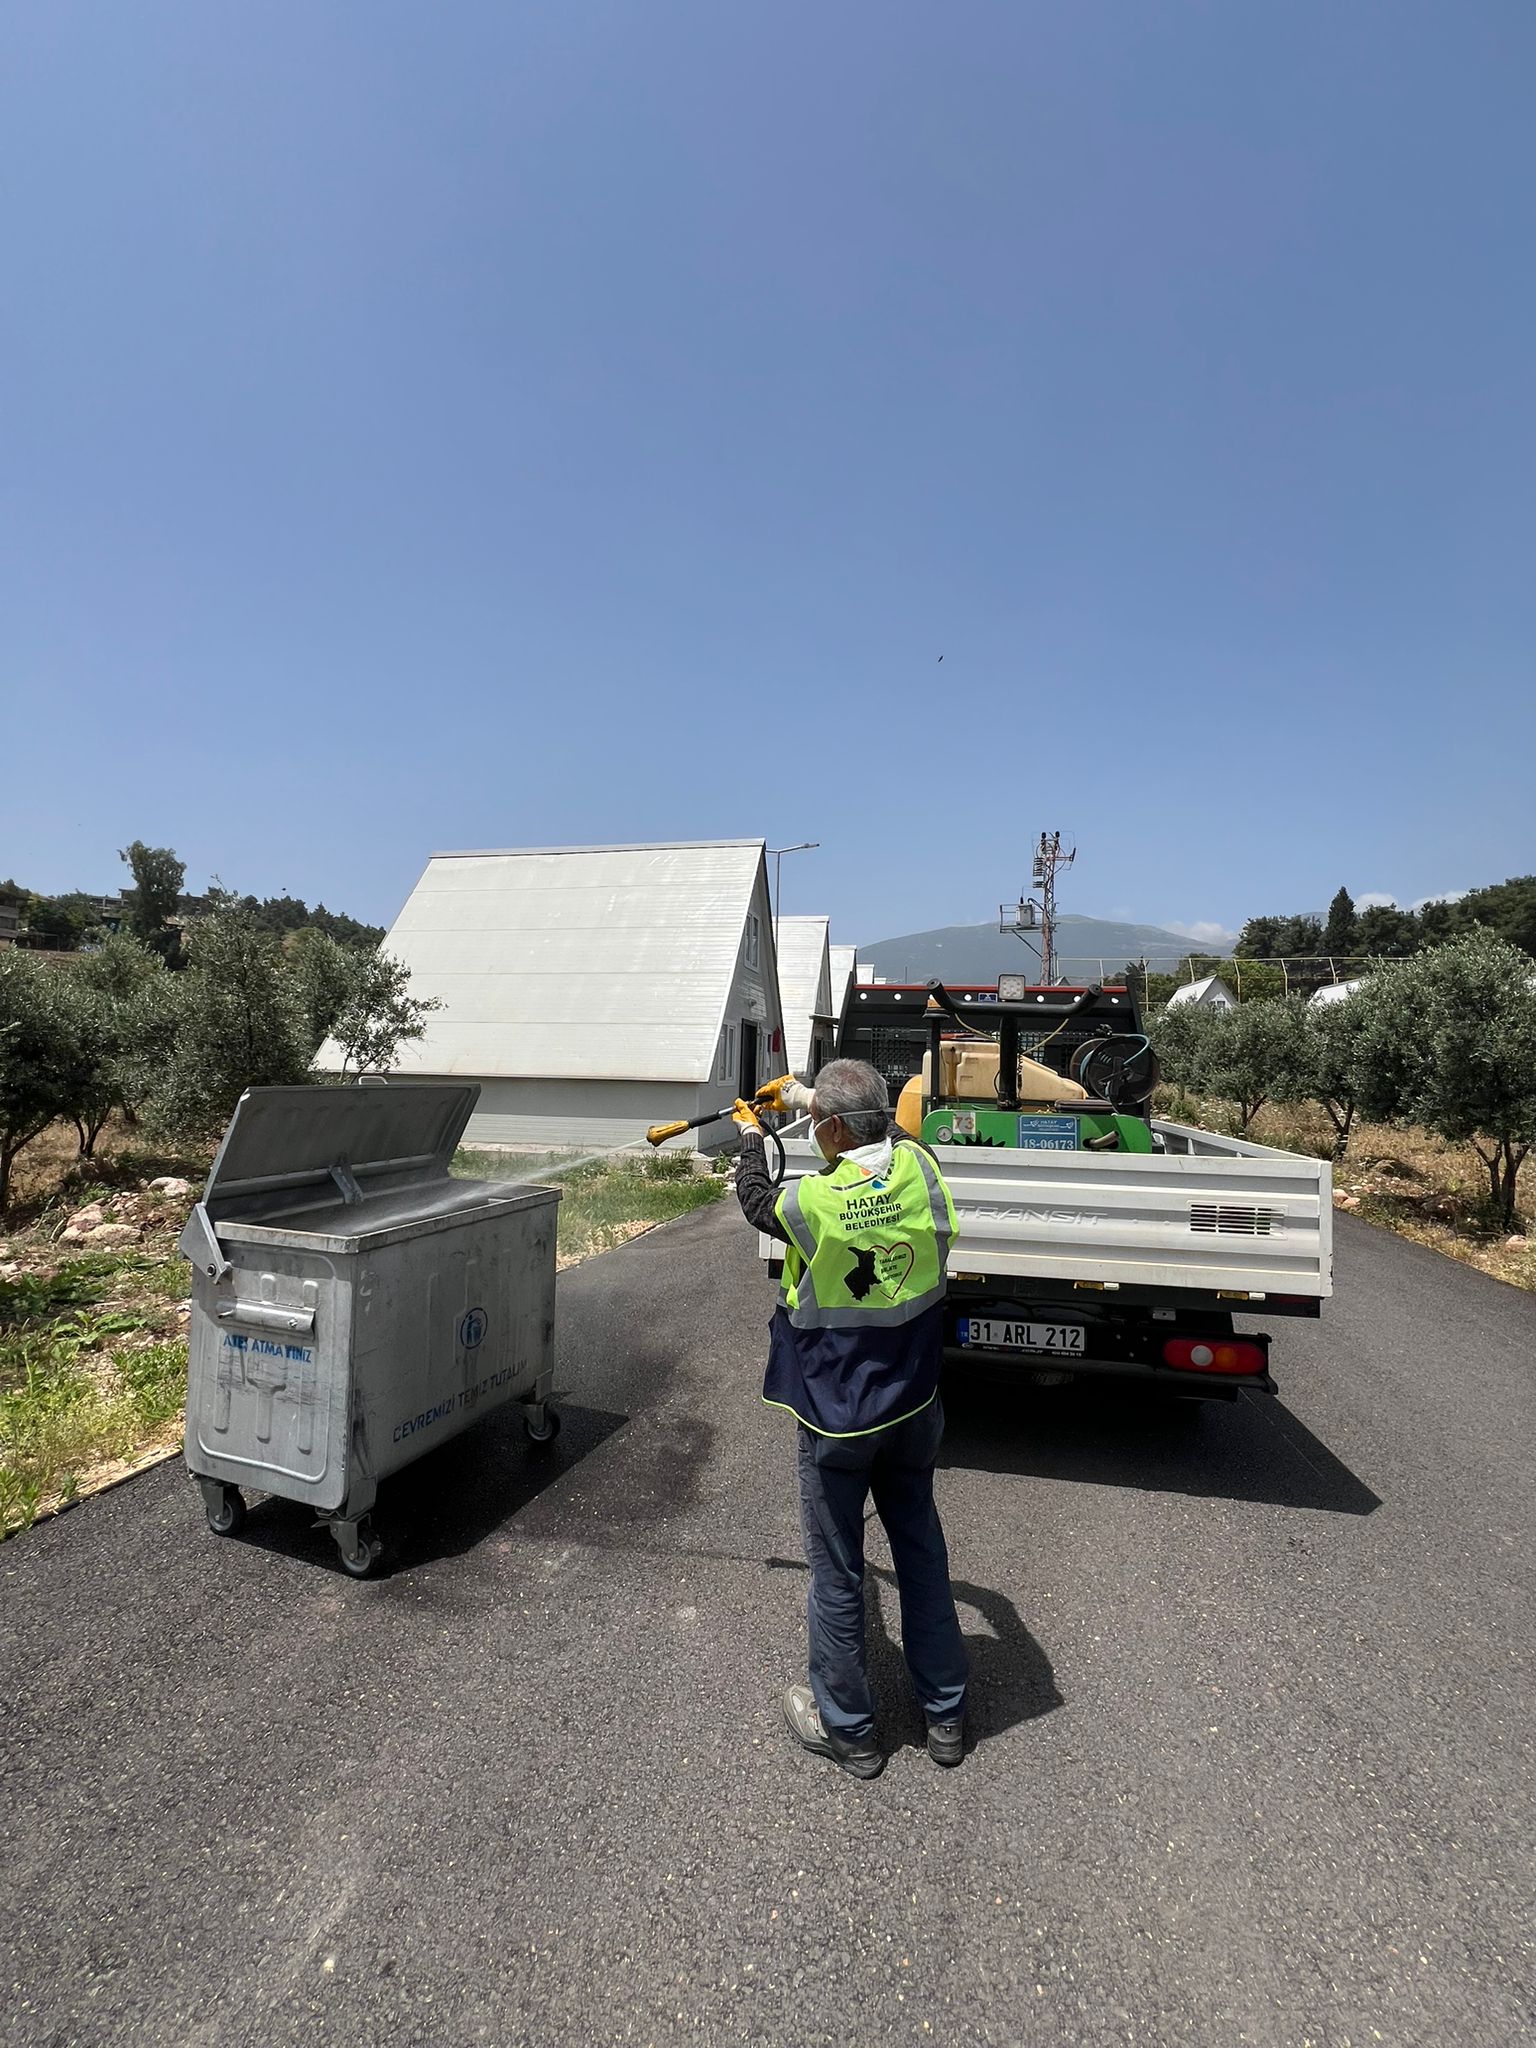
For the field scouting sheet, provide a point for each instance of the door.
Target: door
(748, 1060)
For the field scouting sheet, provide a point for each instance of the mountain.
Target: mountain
(980, 952)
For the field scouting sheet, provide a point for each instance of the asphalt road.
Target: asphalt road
(1252, 1687)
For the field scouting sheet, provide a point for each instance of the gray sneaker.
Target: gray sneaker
(861, 1758)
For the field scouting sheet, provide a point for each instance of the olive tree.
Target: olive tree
(358, 1000)
(95, 1023)
(39, 1054)
(1180, 1035)
(1334, 1067)
(127, 1009)
(240, 1023)
(326, 976)
(252, 1011)
(1254, 1055)
(1450, 1043)
(1247, 1056)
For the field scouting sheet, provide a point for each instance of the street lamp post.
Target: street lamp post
(778, 852)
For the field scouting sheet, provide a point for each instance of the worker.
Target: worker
(854, 1352)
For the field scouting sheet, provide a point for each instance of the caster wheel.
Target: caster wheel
(360, 1561)
(548, 1433)
(229, 1516)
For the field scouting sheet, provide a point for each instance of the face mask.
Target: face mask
(815, 1139)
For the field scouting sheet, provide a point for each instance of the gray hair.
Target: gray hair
(855, 1091)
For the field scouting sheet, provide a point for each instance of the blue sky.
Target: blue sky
(494, 426)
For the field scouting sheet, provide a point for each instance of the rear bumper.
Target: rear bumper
(1042, 1369)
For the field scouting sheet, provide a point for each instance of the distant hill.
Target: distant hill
(980, 952)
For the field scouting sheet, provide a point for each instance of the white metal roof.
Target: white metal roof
(804, 983)
(1334, 991)
(1211, 990)
(841, 960)
(579, 963)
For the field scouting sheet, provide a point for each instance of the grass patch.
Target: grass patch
(605, 1205)
(70, 1406)
(93, 1362)
(609, 1201)
(154, 1376)
(605, 1201)
(168, 1279)
(29, 1297)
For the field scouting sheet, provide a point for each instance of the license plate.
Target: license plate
(1005, 1336)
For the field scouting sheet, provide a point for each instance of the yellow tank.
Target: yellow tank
(970, 1074)
(909, 1107)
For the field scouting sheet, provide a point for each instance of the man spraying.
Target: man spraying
(854, 1354)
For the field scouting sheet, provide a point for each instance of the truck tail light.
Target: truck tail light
(1214, 1354)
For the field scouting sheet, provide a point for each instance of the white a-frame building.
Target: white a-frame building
(593, 990)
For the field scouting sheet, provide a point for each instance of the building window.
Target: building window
(754, 942)
(726, 1067)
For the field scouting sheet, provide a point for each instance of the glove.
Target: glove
(745, 1117)
(787, 1096)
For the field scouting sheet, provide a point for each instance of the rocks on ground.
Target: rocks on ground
(112, 1233)
(121, 1219)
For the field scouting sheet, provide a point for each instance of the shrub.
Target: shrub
(1449, 1042)
(40, 1054)
(241, 1024)
(1247, 1056)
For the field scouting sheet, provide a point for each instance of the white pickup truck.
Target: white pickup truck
(1127, 1265)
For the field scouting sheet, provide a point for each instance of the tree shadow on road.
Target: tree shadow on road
(1251, 1449)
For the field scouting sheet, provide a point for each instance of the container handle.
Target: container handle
(266, 1315)
(199, 1243)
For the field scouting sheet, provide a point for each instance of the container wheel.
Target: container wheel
(360, 1561)
(545, 1434)
(228, 1518)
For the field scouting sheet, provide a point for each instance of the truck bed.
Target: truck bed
(1207, 1214)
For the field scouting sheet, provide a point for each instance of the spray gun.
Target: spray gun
(784, 1094)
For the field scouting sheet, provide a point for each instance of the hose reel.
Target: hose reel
(1121, 1070)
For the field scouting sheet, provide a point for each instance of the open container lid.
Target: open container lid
(286, 1139)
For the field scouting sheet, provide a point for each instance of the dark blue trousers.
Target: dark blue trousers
(837, 1476)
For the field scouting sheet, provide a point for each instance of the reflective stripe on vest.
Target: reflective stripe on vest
(865, 1252)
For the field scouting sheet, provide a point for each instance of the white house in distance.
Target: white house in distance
(805, 988)
(1211, 994)
(593, 990)
(1333, 992)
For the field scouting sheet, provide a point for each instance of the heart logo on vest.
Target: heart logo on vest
(893, 1265)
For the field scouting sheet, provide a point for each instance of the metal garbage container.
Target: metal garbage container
(352, 1305)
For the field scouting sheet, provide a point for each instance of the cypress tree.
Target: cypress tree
(1339, 933)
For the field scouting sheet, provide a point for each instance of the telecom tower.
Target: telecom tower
(1029, 915)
